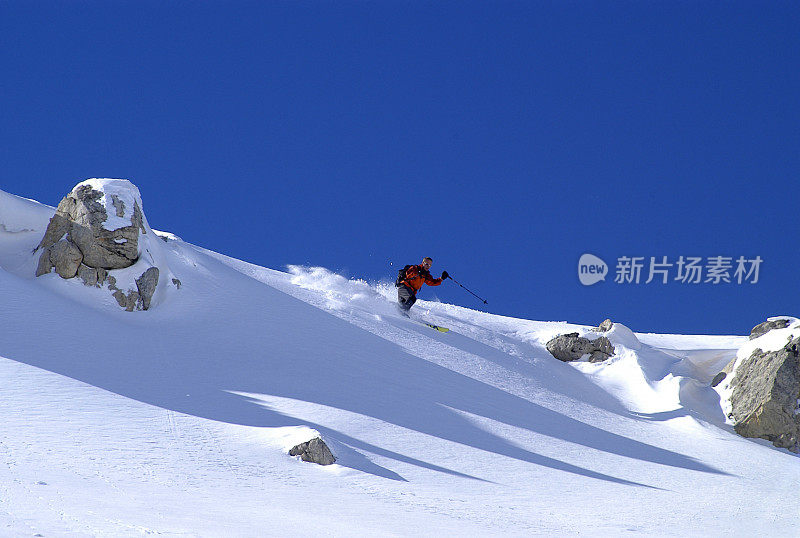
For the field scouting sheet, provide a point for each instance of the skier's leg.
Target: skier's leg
(402, 297)
(405, 297)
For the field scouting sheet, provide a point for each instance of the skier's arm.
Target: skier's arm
(430, 281)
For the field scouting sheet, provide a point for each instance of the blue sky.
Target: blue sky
(504, 139)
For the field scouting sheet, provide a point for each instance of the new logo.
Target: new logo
(591, 269)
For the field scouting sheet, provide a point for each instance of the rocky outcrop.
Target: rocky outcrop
(765, 393)
(88, 275)
(572, 347)
(763, 328)
(83, 219)
(604, 327)
(97, 234)
(314, 451)
(146, 285)
(65, 257)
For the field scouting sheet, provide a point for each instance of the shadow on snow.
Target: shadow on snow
(189, 356)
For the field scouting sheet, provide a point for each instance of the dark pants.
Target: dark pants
(406, 297)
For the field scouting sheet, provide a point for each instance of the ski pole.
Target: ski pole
(460, 284)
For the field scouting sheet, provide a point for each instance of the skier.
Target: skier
(410, 280)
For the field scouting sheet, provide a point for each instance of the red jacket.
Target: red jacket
(416, 275)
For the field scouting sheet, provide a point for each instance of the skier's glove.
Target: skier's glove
(444, 275)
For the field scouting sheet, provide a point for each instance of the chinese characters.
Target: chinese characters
(688, 270)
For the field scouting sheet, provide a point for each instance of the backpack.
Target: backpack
(401, 276)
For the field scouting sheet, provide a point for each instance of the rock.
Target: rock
(130, 301)
(66, 258)
(82, 217)
(718, 378)
(45, 265)
(605, 326)
(119, 205)
(177, 283)
(59, 225)
(567, 347)
(571, 347)
(88, 275)
(121, 298)
(763, 328)
(106, 249)
(723, 374)
(134, 301)
(137, 219)
(146, 284)
(314, 451)
(127, 301)
(764, 400)
(603, 349)
(98, 230)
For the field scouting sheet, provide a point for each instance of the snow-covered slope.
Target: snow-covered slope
(176, 421)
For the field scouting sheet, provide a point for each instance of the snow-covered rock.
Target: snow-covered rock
(103, 219)
(765, 386)
(772, 323)
(100, 234)
(605, 326)
(314, 451)
(572, 347)
(146, 286)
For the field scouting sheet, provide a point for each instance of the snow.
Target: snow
(178, 420)
(167, 236)
(771, 341)
(22, 225)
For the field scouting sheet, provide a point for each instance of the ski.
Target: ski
(431, 325)
(436, 327)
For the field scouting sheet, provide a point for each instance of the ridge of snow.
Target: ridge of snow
(22, 225)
